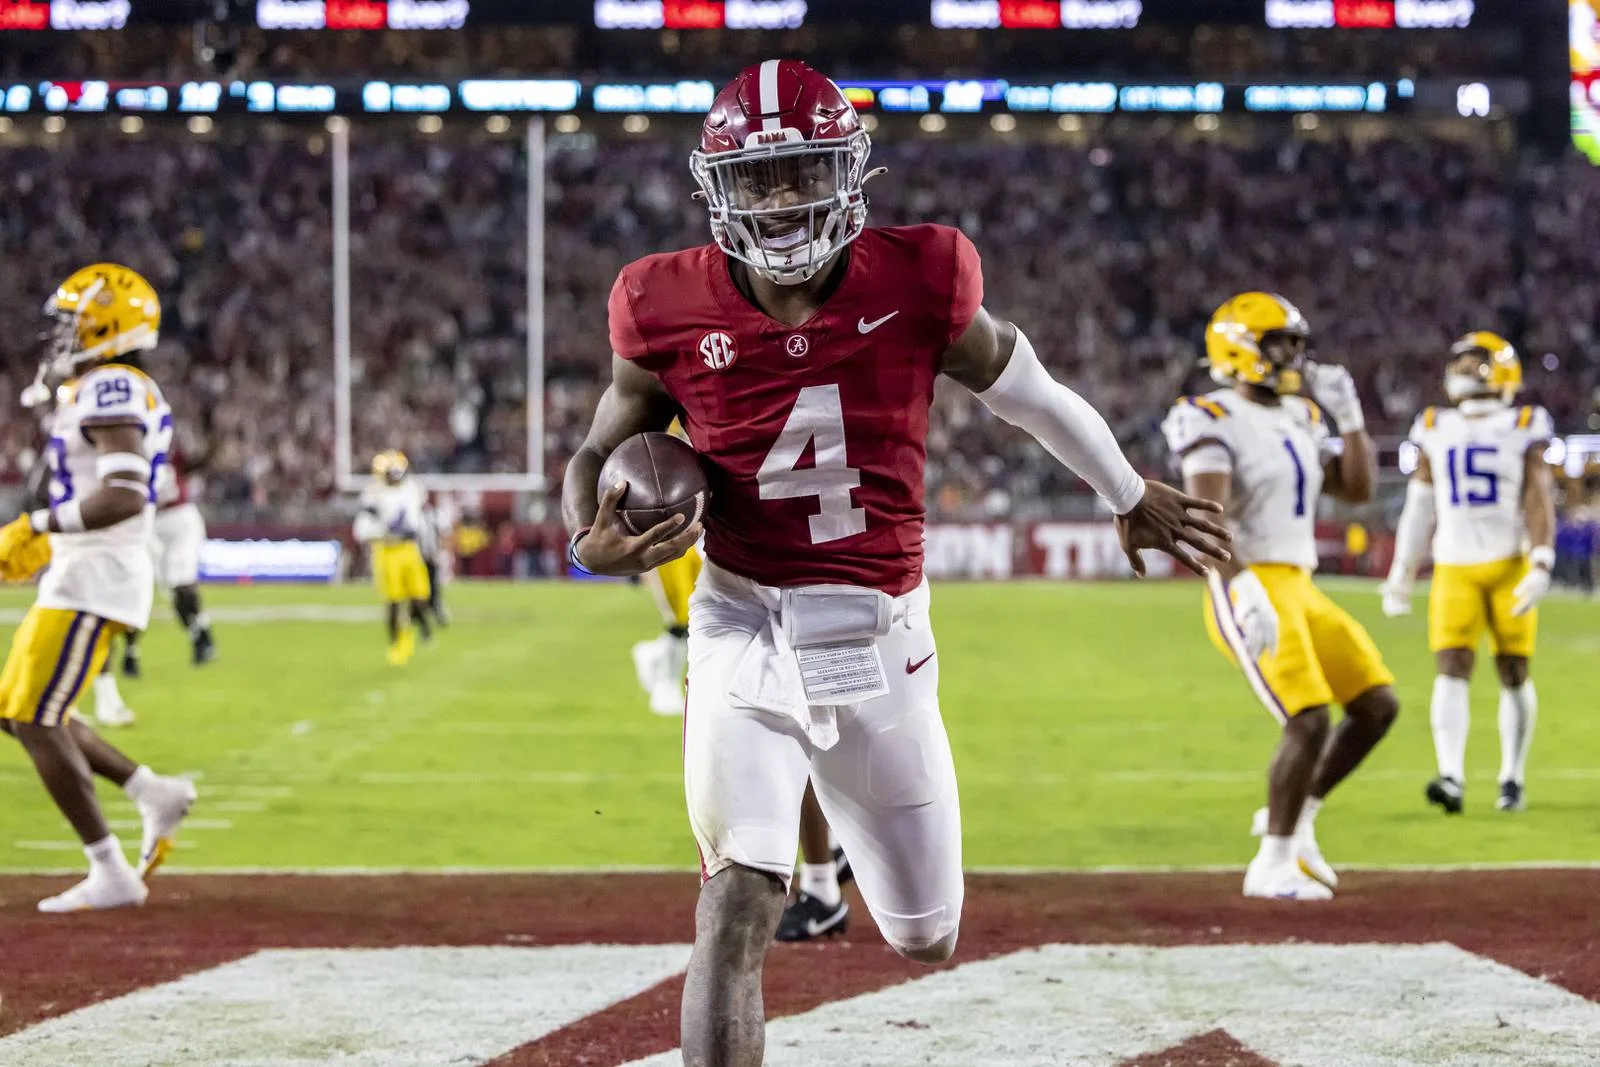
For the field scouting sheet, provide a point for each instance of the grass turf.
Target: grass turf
(1093, 725)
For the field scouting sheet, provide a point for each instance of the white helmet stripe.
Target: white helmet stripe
(768, 100)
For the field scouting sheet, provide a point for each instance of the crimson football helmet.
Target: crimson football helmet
(782, 161)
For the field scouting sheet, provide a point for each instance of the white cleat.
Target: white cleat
(1282, 881)
(114, 716)
(1306, 851)
(649, 664)
(106, 887)
(162, 812)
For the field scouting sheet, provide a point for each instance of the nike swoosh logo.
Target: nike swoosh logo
(867, 327)
(813, 927)
(913, 668)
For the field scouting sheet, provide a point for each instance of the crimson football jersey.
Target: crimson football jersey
(814, 437)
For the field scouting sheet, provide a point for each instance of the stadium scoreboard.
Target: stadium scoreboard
(1072, 15)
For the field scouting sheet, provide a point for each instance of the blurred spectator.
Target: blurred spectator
(1111, 252)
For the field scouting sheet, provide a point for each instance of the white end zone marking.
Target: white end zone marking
(1096, 1005)
(377, 1007)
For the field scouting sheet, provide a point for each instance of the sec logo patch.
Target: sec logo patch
(717, 350)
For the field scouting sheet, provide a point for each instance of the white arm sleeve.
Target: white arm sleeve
(1063, 422)
(1416, 526)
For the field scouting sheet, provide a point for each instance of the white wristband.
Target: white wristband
(1543, 556)
(40, 520)
(69, 517)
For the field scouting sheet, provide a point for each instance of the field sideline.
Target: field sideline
(1094, 728)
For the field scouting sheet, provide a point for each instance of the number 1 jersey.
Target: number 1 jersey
(1477, 467)
(814, 436)
(1274, 454)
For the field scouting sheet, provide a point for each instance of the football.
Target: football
(664, 479)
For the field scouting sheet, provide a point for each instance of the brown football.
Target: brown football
(664, 479)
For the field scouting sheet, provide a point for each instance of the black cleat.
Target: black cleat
(809, 918)
(1447, 793)
(130, 663)
(205, 649)
(1511, 798)
(841, 864)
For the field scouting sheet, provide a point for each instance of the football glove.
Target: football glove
(1253, 611)
(1396, 594)
(23, 551)
(1533, 588)
(1333, 388)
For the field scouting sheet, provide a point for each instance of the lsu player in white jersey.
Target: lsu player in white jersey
(1484, 491)
(390, 522)
(94, 539)
(1267, 454)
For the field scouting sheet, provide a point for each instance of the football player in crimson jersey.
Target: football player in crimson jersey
(801, 350)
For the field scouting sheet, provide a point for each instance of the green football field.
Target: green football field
(1093, 726)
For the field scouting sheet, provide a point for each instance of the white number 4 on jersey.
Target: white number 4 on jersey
(817, 417)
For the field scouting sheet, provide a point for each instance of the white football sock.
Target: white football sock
(106, 693)
(1519, 708)
(820, 880)
(1450, 714)
(140, 783)
(1308, 816)
(1275, 849)
(106, 852)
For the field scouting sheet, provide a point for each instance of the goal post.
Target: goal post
(349, 476)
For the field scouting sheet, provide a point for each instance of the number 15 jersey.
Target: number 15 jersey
(814, 437)
(1274, 454)
(1477, 467)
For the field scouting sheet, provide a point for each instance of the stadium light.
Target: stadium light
(636, 123)
(1207, 123)
(132, 124)
(5, 124)
(497, 124)
(932, 123)
(869, 123)
(1306, 121)
(1069, 123)
(430, 124)
(1003, 123)
(337, 124)
(568, 124)
(200, 124)
(54, 124)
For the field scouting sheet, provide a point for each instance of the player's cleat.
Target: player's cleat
(402, 648)
(1282, 881)
(166, 805)
(1511, 797)
(809, 918)
(841, 864)
(1309, 859)
(130, 662)
(1447, 793)
(113, 716)
(205, 648)
(1307, 853)
(106, 887)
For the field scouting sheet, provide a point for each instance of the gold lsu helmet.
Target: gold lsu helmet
(390, 466)
(101, 312)
(1499, 374)
(1235, 336)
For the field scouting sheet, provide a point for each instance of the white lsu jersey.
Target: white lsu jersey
(390, 512)
(1274, 454)
(1477, 467)
(104, 572)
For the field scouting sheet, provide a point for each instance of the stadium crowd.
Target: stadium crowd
(1111, 250)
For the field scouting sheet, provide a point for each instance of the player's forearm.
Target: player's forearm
(1217, 486)
(1357, 469)
(1067, 426)
(1414, 530)
(110, 504)
(580, 497)
(1539, 505)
